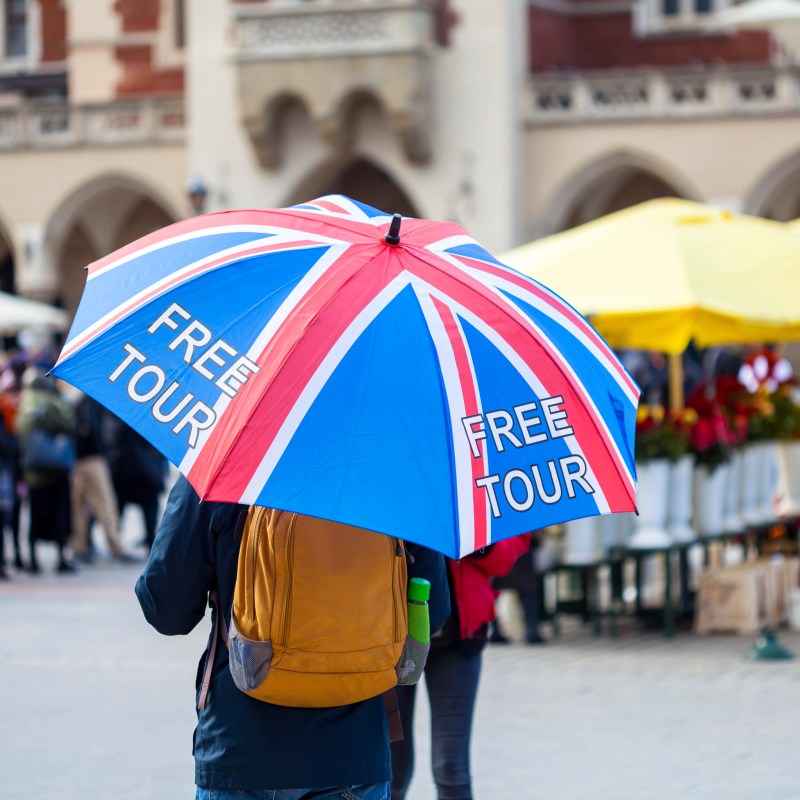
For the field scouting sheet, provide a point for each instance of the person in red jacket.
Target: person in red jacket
(452, 673)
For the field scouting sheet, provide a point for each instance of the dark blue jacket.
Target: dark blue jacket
(240, 742)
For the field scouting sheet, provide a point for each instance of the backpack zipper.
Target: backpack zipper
(397, 550)
(287, 604)
(253, 544)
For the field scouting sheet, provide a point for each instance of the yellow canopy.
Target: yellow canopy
(664, 272)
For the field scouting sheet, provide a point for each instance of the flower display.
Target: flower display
(715, 432)
(662, 434)
(764, 371)
(752, 414)
(786, 402)
(761, 394)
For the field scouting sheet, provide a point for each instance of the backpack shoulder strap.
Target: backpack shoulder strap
(393, 715)
(220, 629)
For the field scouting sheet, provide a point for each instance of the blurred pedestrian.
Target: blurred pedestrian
(138, 472)
(452, 673)
(524, 580)
(46, 426)
(8, 462)
(92, 494)
(10, 388)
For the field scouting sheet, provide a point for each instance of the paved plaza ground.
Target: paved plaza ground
(97, 706)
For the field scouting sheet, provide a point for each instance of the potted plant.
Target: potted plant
(679, 513)
(787, 432)
(712, 442)
(660, 443)
(766, 382)
(748, 397)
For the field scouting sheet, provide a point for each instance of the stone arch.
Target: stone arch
(97, 218)
(610, 183)
(359, 178)
(341, 128)
(8, 260)
(268, 129)
(777, 194)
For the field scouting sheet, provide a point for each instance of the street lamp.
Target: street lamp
(197, 192)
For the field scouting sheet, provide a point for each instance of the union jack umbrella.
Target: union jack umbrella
(334, 360)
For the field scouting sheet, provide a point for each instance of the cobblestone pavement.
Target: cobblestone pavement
(97, 705)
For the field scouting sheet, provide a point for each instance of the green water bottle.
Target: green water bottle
(419, 624)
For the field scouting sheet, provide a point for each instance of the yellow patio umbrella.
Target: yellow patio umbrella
(659, 274)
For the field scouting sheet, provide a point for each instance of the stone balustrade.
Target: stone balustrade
(56, 124)
(664, 94)
(330, 56)
(292, 29)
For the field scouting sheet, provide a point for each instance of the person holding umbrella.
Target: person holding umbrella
(336, 361)
(245, 748)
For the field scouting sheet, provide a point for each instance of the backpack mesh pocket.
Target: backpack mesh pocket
(412, 662)
(248, 660)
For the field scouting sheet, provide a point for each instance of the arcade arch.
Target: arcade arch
(360, 179)
(95, 220)
(7, 262)
(777, 194)
(611, 184)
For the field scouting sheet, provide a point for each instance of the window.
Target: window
(665, 16)
(171, 34)
(180, 24)
(16, 28)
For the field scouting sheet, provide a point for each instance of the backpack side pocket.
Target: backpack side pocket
(248, 660)
(412, 662)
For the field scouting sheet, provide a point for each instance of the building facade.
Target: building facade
(517, 118)
(409, 105)
(92, 135)
(628, 100)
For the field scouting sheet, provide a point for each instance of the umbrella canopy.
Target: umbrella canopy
(389, 374)
(19, 313)
(659, 274)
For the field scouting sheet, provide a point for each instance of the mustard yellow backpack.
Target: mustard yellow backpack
(319, 613)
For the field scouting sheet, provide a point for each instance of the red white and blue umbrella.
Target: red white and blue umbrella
(333, 360)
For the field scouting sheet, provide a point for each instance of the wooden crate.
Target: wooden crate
(778, 599)
(792, 567)
(735, 599)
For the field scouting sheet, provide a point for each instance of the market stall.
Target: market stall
(723, 464)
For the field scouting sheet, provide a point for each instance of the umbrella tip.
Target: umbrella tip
(393, 236)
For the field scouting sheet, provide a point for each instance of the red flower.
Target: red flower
(703, 435)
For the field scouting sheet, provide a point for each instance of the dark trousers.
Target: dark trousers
(51, 518)
(11, 519)
(452, 682)
(148, 502)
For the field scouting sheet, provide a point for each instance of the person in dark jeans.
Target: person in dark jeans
(452, 673)
(524, 579)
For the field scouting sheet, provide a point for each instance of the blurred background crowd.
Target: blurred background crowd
(68, 470)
